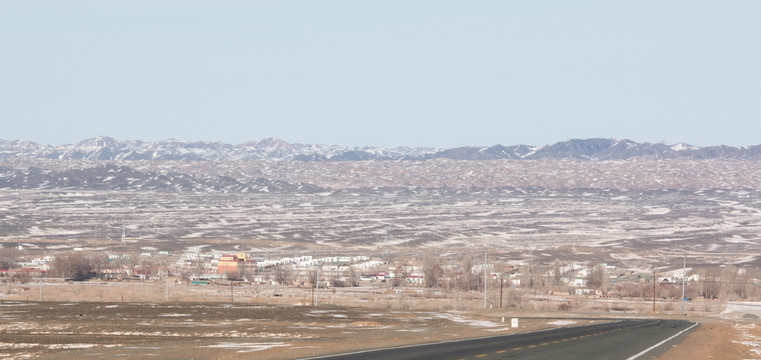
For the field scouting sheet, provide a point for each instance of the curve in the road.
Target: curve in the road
(625, 339)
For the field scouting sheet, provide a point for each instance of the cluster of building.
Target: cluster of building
(243, 266)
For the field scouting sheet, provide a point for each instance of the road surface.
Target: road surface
(621, 340)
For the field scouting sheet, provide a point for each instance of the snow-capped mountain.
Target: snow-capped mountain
(600, 149)
(105, 148)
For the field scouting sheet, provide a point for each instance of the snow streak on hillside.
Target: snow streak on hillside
(105, 148)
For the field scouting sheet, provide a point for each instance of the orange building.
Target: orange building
(231, 264)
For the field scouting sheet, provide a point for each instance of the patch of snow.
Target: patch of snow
(498, 329)
(561, 322)
(657, 211)
(470, 322)
(195, 249)
(748, 339)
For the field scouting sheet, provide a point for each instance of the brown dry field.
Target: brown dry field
(95, 330)
(721, 339)
(90, 320)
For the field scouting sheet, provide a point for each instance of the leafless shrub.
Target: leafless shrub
(234, 276)
(708, 307)
(21, 277)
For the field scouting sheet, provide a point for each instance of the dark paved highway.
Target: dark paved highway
(622, 340)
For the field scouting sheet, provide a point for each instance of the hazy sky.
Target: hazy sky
(381, 73)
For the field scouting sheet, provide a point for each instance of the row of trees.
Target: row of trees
(96, 264)
(462, 274)
(729, 283)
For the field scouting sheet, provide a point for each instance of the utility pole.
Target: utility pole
(684, 279)
(317, 294)
(385, 248)
(484, 271)
(654, 281)
(18, 208)
(501, 286)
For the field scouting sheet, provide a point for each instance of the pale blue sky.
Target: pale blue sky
(381, 73)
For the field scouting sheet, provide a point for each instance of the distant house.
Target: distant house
(584, 291)
(579, 282)
(415, 279)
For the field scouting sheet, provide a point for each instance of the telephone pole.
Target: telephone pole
(654, 281)
(684, 279)
(501, 285)
(18, 208)
(484, 279)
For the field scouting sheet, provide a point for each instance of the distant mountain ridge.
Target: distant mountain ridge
(106, 148)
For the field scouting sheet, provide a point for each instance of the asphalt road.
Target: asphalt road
(622, 340)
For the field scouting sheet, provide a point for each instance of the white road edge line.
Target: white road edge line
(643, 352)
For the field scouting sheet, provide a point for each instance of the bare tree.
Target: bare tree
(73, 265)
(468, 279)
(246, 271)
(100, 262)
(129, 263)
(234, 276)
(432, 271)
(400, 277)
(513, 299)
(283, 275)
(710, 288)
(531, 275)
(353, 278)
(22, 277)
(8, 258)
(598, 278)
(337, 281)
(312, 277)
(734, 283)
(149, 267)
(557, 273)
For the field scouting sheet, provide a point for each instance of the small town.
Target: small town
(521, 283)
